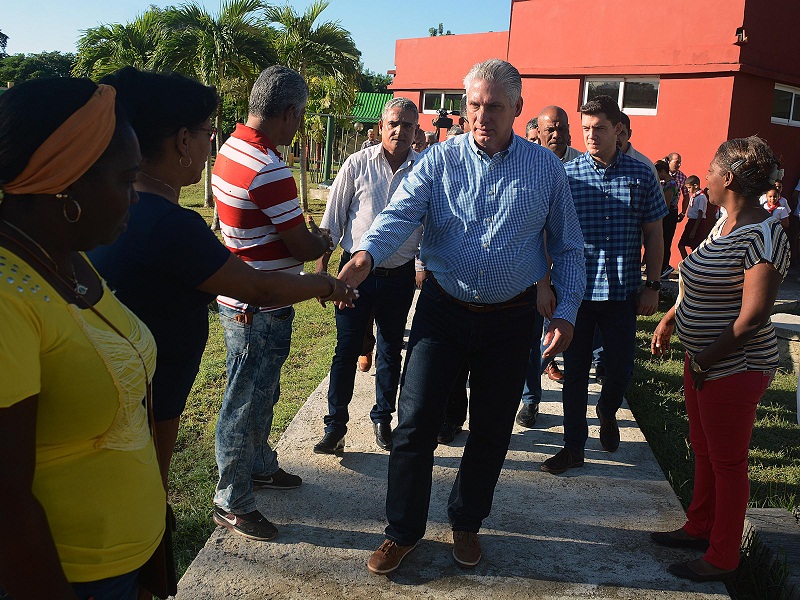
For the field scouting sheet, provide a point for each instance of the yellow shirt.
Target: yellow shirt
(96, 472)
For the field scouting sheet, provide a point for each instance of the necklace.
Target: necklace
(79, 288)
(174, 191)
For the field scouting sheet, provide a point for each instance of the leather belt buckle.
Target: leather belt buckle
(381, 272)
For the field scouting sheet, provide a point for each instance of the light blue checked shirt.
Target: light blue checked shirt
(612, 204)
(484, 221)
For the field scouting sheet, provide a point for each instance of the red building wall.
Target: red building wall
(623, 37)
(751, 112)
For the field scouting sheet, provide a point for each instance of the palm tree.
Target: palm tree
(224, 50)
(326, 49)
(106, 48)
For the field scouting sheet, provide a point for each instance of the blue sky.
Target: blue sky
(45, 25)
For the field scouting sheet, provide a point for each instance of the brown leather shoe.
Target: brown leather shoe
(365, 363)
(553, 373)
(609, 432)
(564, 460)
(466, 548)
(388, 557)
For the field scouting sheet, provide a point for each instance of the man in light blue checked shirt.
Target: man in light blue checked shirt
(619, 205)
(486, 198)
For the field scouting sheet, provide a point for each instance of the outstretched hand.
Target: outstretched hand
(558, 337)
(355, 272)
(323, 233)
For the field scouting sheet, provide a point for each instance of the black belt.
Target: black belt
(381, 271)
(523, 299)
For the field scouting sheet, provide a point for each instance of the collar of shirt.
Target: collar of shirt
(597, 166)
(255, 137)
(515, 140)
(409, 161)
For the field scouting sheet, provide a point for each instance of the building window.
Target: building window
(635, 95)
(786, 105)
(432, 101)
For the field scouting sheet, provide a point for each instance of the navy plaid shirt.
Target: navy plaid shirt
(484, 222)
(612, 203)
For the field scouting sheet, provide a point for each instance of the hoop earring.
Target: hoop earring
(180, 162)
(64, 208)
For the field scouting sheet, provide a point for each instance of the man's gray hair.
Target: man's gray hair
(403, 104)
(275, 90)
(497, 71)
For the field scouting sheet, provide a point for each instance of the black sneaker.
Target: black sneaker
(252, 525)
(527, 415)
(279, 480)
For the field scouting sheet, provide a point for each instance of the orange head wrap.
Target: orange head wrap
(71, 149)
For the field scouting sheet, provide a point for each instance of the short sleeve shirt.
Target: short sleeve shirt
(710, 293)
(96, 474)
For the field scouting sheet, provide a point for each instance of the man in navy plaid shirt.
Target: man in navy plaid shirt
(619, 204)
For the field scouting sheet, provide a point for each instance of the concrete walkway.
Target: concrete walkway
(579, 535)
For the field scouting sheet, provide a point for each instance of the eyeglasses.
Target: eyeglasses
(212, 133)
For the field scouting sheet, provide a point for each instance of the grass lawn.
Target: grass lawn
(655, 396)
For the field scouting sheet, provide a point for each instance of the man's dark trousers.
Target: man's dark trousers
(387, 294)
(445, 336)
(616, 321)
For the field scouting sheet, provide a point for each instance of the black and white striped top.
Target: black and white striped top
(710, 295)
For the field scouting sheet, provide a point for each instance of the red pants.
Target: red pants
(721, 418)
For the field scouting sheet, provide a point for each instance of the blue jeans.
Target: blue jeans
(256, 353)
(444, 337)
(616, 321)
(532, 391)
(389, 298)
(120, 587)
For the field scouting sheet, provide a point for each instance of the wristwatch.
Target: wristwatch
(653, 284)
(696, 368)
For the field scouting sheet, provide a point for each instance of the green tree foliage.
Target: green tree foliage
(436, 31)
(317, 51)
(370, 81)
(21, 67)
(227, 50)
(106, 48)
(3, 44)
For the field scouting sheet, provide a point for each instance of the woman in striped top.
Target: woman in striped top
(728, 286)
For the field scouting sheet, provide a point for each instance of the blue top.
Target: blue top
(154, 268)
(612, 204)
(484, 222)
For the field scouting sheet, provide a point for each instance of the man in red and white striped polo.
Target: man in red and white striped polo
(262, 223)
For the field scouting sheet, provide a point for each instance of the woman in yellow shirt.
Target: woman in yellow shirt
(79, 469)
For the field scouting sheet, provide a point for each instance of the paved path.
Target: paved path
(579, 535)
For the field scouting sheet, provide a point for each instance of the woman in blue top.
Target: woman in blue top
(168, 266)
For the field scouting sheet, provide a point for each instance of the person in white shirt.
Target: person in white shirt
(359, 193)
(695, 213)
(779, 211)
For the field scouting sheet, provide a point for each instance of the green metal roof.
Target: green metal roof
(369, 106)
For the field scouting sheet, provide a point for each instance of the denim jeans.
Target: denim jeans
(616, 321)
(389, 299)
(256, 353)
(444, 337)
(532, 390)
(457, 402)
(120, 587)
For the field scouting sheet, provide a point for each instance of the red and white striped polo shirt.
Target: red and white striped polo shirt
(256, 198)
